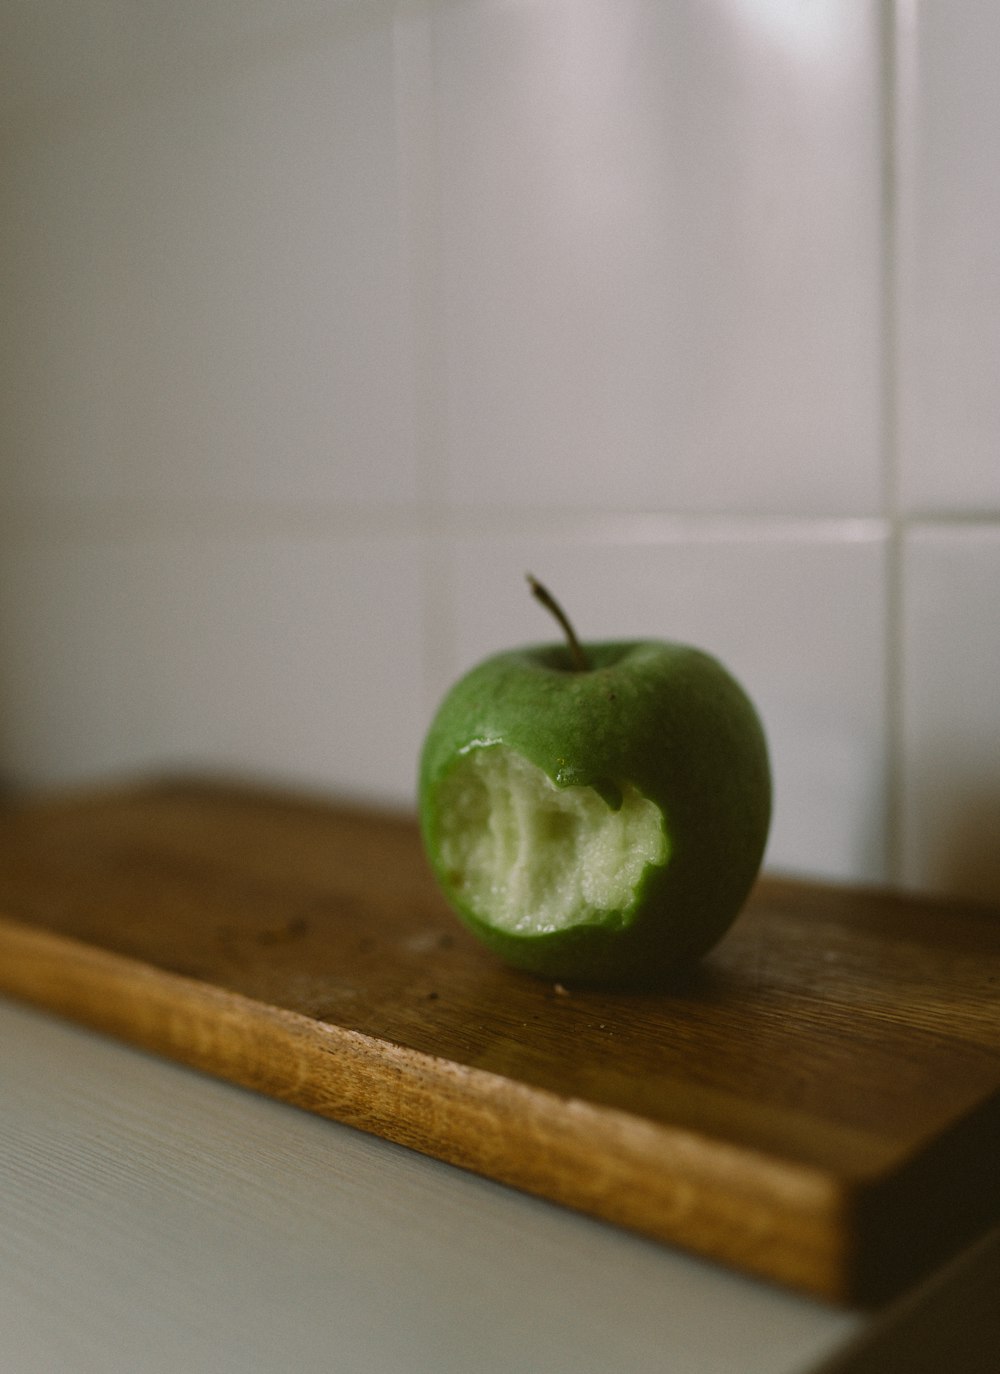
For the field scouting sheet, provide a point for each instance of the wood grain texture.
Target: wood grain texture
(819, 1103)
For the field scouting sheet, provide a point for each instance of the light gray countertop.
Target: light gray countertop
(152, 1219)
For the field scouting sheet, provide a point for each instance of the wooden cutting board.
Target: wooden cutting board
(819, 1103)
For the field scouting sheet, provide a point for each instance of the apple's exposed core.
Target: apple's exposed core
(530, 857)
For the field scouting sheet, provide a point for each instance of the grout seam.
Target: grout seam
(891, 23)
(117, 520)
(420, 241)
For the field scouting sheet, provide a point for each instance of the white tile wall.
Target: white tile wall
(949, 267)
(951, 701)
(321, 323)
(67, 710)
(213, 271)
(660, 247)
(276, 652)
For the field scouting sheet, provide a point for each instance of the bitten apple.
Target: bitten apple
(596, 813)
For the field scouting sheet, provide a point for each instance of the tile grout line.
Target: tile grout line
(895, 31)
(420, 242)
(214, 517)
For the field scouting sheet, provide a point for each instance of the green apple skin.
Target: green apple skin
(665, 717)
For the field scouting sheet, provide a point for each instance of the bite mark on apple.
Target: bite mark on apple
(531, 857)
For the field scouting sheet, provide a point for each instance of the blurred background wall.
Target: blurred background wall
(322, 322)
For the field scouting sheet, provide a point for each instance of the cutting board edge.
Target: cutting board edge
(783, 1221)
(882, 1206)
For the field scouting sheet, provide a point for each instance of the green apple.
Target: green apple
(596, 813)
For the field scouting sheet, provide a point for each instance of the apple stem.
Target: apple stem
(580, 663)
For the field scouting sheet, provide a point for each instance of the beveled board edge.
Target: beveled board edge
(777, 1220)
